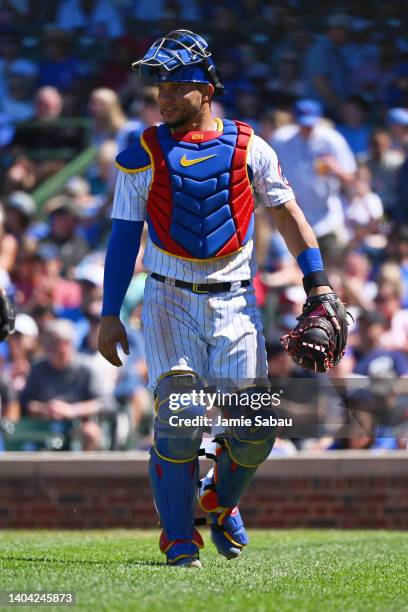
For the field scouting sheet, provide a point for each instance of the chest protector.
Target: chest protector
(200, 204)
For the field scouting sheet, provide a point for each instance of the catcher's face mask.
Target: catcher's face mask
(180, 57)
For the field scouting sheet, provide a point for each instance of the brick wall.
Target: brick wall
(351, 489)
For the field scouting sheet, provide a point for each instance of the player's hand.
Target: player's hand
(112, 333)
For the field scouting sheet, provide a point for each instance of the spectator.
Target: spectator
(318, 163)
(20, 211)
(17, 103)
(99, 19)
(63, 389)
(398, 250)
(64, 218)
(395, 333)
(45, 132)
(384, 163)
(327, 74)
(365, 209)
(107, 115)
(59, 68)
(10, 53)
(354, 127)
(398, 125)
(9, 408)
(373, 359)
(400, 213)
(23, 346)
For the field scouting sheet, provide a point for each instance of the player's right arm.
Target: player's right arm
(128, 215)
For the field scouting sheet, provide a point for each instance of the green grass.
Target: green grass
(280, 570)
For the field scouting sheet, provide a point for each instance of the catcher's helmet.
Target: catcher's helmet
(180, 57)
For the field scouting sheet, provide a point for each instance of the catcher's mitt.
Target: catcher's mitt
(319, 340)
(7, 316)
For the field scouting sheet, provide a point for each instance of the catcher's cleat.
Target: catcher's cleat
(186, 562)
(228, 533)
(182, 552)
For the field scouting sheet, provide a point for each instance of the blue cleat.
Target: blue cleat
(228, 533)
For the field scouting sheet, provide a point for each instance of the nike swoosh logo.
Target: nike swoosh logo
(190, 162)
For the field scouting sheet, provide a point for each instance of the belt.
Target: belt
(201, 287)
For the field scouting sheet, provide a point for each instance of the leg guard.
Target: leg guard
(173, 467)
(238, 457)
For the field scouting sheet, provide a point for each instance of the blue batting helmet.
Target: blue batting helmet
(180, 57)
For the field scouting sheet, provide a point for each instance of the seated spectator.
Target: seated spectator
(327, 73)
(388, 301)
(45, 132)
(286, 86)
(20, 210)
(102, 174)
(398, 250)
(358, 290)
(64, 218)
(373, 357)
(365, 209)
(23, 346)
(59, 68)
(400, 213)
(91, 208)
(384, 163)
(17, 104)
(9, 407)
(398, 126)
(97, 18)
(353, 126)
(63, 389)
(107, 115)
(10, 54)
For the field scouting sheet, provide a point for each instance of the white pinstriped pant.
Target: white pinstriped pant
(218, 336)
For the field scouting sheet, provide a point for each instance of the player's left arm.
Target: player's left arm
(301, 241)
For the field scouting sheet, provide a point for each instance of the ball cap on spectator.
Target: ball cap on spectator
(26, 325)
(398, 116)
(62, 204)
(22, 202)
(90, 273)
(63, 329)
(308, 112)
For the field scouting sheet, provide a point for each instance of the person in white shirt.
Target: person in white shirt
(318, 163)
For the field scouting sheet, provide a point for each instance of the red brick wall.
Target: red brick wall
(342, 490)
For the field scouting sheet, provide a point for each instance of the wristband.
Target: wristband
(315, 279)
(310, 260)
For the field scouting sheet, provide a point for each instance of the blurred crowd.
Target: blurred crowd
(325, 85)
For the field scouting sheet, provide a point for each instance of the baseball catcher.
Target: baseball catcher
(195, 180)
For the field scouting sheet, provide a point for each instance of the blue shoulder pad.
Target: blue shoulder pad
(133, 159)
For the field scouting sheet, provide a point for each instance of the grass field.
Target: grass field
(281, 570)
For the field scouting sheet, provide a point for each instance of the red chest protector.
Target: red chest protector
(200, 204)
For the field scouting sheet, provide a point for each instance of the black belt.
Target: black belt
(203, 287)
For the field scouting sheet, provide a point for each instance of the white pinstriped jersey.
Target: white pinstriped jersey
(270, 188)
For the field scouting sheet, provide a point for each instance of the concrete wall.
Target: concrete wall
(343, 489)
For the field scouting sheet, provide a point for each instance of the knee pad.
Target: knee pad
(179, 416)
(251, 437)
